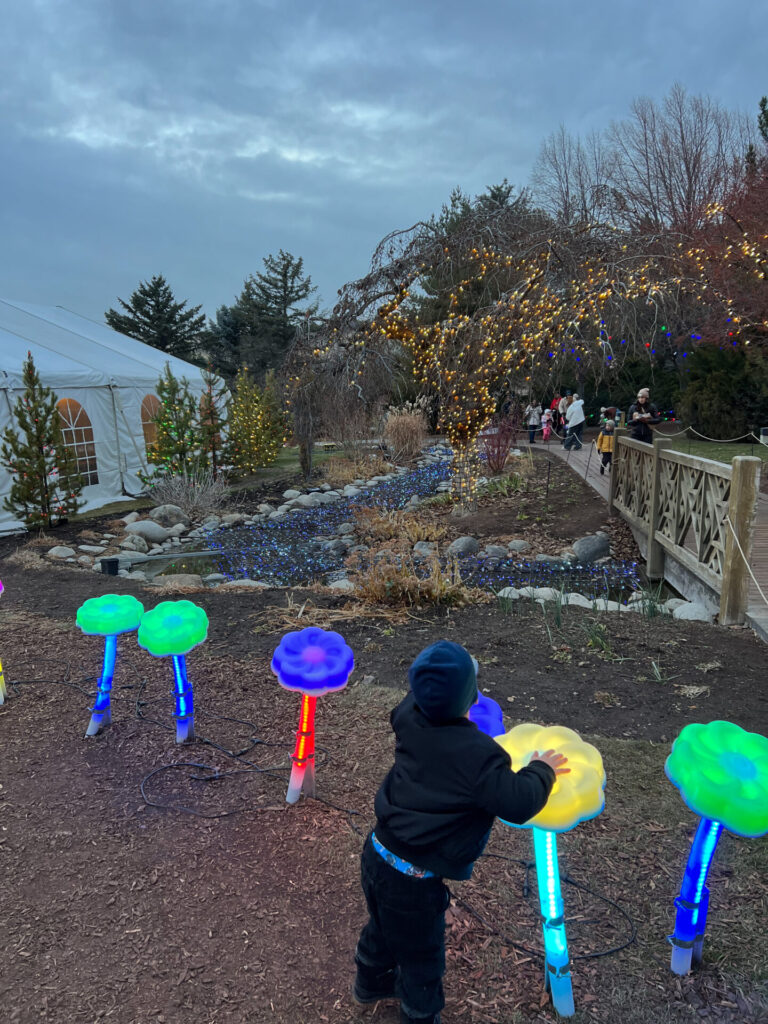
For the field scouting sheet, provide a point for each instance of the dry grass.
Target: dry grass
(394, 581)
(376, 526)
(298, 614)
(340, 470)
(406, 434)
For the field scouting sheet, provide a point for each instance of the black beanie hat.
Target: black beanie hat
(444, 681)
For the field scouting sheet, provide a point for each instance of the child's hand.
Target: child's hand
(555, 761)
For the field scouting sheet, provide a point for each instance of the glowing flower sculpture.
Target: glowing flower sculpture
(3, 690)
(721, 771)
(314, 662)
(174, 628)
(575, 797)
(107, 616)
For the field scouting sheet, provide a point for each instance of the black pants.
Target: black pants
(406, 931)
(607, 459)
(573, 436)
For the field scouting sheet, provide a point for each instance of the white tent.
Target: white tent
(106, 384)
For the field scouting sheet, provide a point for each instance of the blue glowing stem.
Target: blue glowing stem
(556, 967)
(693, 902)
(101, 712)
(185, 708)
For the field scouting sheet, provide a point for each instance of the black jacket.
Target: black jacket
(449, 781)
(641, 430)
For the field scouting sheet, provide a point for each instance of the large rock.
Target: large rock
(495, 551)
(149, 530)
(92, 549)
(308, 500)
(424, 548)
(181, 579)
(131, 518)
(60, 551)
(519, 546)
(590, 549)
(170, 515)
(347, 586)
(134, 543)
(463, 546)
(246, 585)
(350, 491)
(692, 611)
(177, 530)
(291, 493)
(509, 594)
(233, 519)
(577, 600)
(345, 529)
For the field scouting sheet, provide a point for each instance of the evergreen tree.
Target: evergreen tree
(255, 428)
(214, 410)
(46, 485)
(762, 119)
(153, 316)
(177, 446)
(257, 330)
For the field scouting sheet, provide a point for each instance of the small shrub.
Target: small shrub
(376, 525)
(196, 493)
(417, 531)
(504, 485)
(405, 434)
(394, 581)
(340, 470)
(497, 439)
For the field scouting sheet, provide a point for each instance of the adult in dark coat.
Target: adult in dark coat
(642, 415)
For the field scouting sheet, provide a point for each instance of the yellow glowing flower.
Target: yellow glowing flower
(576, 796)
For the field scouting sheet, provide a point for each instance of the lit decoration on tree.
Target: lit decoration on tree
(46, 485)
(3, 689)
(721, 771)
(255, 425)
(214, 410)
(174, 628)
(575, 797)
(314, 662)
(177, 443)
(107, 616)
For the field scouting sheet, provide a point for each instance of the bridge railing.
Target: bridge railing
(698, 511)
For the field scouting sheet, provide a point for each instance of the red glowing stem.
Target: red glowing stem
(303, 770)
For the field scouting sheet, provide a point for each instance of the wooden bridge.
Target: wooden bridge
(687, 514)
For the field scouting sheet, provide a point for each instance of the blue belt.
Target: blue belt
(403, 866)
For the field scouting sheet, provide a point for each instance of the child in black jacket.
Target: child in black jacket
(434, 812)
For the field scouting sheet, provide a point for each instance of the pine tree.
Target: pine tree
(762, 119)
(257, 330)
(46, 485)
(214, 411)
(255, 430)
(153, 316)
(177, 445)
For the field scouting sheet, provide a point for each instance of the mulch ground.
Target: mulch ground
(204, 899)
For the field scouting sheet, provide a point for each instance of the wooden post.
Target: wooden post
(654, 559)
(742, 508)
(618, 432)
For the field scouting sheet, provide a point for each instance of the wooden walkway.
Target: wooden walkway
(586, 463)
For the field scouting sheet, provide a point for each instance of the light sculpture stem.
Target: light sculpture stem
(101, 712)
(3, 690)
(303, 770)
(556, 968)
(185, 709)
(693, 902)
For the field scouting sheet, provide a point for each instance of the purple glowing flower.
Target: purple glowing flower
(313, 661)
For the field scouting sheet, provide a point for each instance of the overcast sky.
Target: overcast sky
(193, 138)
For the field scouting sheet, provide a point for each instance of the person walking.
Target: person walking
(546, 425)
(562, 410)
(642, 415)
(605, 444)
(533, 420)
(574, 420)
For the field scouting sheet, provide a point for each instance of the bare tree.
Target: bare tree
(673, 160)
(572, 178)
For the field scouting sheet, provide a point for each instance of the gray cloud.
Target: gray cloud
(192, 139)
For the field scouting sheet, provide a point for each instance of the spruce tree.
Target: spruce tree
(153, 316)
(178, 444)
(255, 430)
(214, 411)
(46, 485)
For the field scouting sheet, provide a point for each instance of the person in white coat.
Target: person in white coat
(574, 421)
(533, 420)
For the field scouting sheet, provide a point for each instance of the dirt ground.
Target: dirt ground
(147, 882)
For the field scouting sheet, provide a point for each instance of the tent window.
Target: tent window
(149, 409)
(77, 434)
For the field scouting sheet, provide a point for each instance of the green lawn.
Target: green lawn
(717, 451)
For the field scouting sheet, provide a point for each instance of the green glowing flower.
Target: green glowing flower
(721, 771)
(173, 627)
(109, 614)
